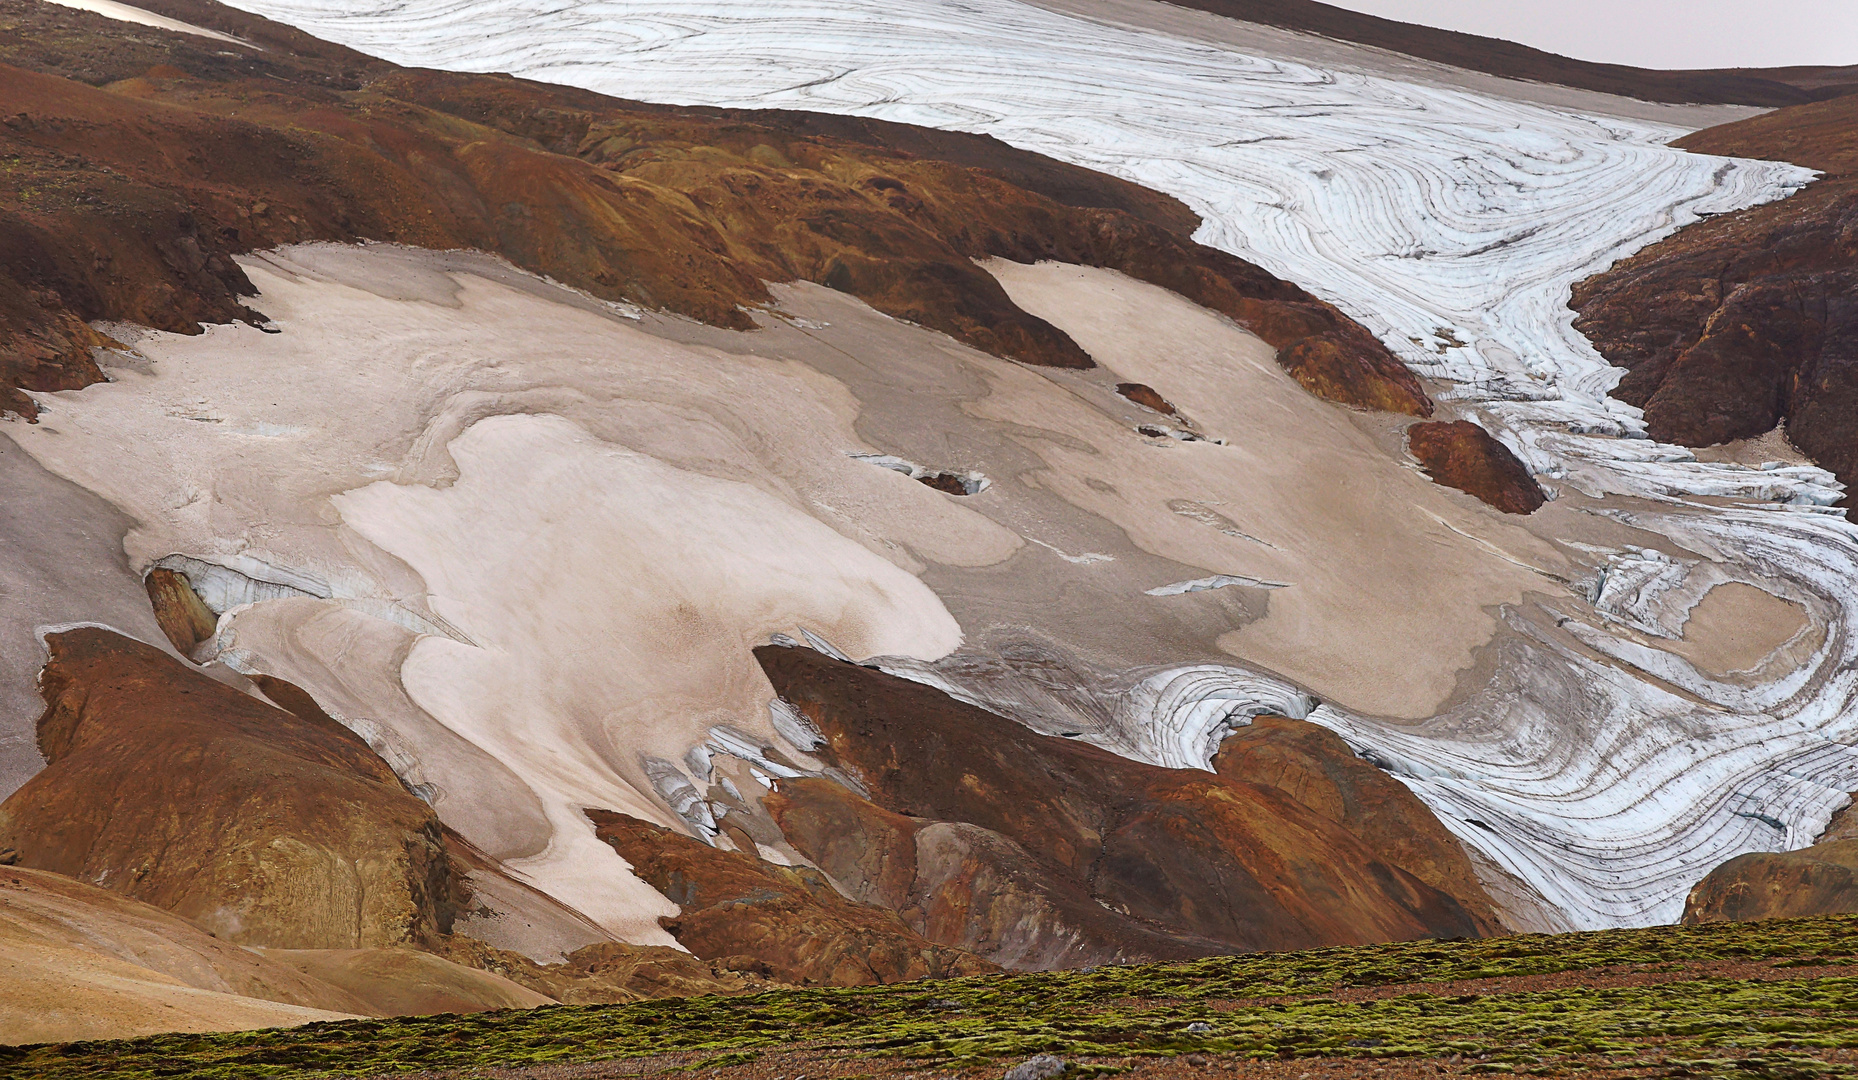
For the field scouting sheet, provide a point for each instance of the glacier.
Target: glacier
(1604, 773)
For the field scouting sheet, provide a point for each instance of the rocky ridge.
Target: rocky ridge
(1188, 862)
(133, 192)
(1746, 321)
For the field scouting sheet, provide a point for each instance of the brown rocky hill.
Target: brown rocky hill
(1460, 454)
(1818, 880)
(1473, 52)
(1173, 862)
(786, 922)
(265, 827)
(141, 161)
(277, 830)
(1747, 321)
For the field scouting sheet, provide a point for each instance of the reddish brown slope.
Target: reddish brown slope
(1178, 854)
(1460, 454)
(1736, 324)
(786, 922)
(126, 202)
(266, 828)
(1730, 86)
(1818, 880)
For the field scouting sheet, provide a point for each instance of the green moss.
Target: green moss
(1263, 1005)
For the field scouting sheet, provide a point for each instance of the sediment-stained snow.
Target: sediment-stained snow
(516, 610)
(1604, 771)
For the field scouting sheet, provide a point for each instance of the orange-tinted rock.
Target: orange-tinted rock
(1460, 454)
(158, 183)
(1819, 880)
(1188, 852)
(183, 616)
(266, 828)
(868, 850)
(1347, 369)
(1314, 766)
(1742, 321)
(962, 885)
(1147, 397)
(788, 921)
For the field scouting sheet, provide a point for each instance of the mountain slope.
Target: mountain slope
(130, 202)
(81, 962)
(1746, 321)
(1733, 86)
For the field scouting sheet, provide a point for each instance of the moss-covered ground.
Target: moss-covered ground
(1760, 999)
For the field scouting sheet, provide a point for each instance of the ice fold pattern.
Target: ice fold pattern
(1607, 775)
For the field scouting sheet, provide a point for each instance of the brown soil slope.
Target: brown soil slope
(275, 829)
(132, 183)
(1740, 322)
(403, 982)
(266, 828)
(1184, 852)
(1732, 86)
(79, 962)
(1314, 766)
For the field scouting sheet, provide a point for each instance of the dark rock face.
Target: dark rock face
(1740, 322)
(1462, 455)
(963, 885)
(265, 827)
(140, 193)
(786, 922)
(1174, 861)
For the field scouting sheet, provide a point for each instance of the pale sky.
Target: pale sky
(1651, 33)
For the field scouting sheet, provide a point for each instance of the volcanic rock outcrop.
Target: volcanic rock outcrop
(1817, 880)
(1746, 321)
(784, 921)
(1178, 854)
(265, 827)
(1460, 454)
(964, 885)
(183, 616)
(131, 199)
(1314, 766)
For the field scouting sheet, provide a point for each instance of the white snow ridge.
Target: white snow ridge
(1604, 773)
